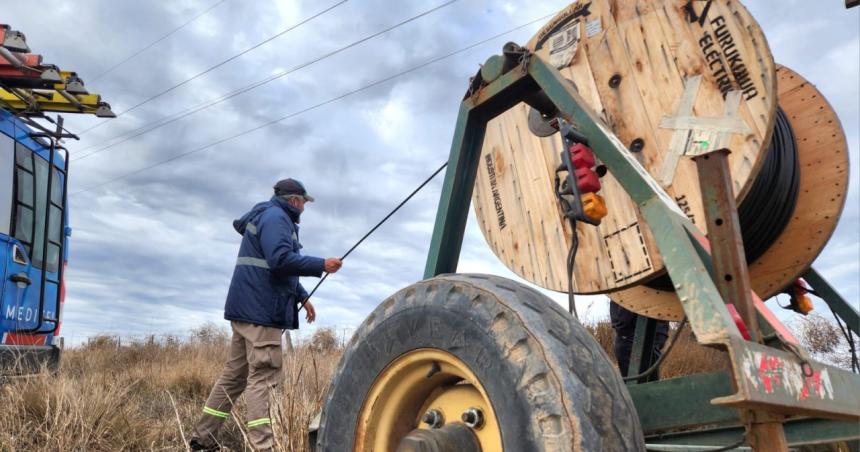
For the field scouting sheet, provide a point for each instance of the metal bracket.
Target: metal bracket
(642, 356)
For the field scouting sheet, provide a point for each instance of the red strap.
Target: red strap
(739, 322)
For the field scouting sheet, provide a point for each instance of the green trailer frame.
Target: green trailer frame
(771, 386)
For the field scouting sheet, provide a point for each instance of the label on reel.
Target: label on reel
(563, 44)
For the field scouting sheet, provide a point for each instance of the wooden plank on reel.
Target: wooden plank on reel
(670, 78)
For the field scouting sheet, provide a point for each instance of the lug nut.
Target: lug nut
(473, 418)
(433, 418)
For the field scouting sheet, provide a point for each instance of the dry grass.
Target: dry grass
(825, 341)
(687, 357)
(109, 397)
(147, 395)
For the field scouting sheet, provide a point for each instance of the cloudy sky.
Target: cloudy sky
(153, 247)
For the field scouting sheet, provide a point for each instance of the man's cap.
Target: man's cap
(290, 186)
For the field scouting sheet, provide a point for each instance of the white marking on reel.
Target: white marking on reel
(711, 133)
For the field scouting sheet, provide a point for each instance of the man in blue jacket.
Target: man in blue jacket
(262, 302)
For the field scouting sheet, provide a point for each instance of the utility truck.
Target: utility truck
(34, 217)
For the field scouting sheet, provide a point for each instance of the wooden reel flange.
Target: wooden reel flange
(823, 155)
(671, 78)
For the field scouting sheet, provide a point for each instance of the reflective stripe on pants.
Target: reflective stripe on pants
(258, 422)
(214, 412)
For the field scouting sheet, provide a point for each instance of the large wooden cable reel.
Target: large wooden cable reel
(671, 78)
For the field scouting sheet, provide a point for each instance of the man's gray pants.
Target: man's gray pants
(254, 367)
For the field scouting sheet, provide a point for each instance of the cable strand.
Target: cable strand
(153, 43)
(731, 446)
(571, 261)
(216, 66)
(205, 105)
(662, 357)
(849, 338)
(305, 110)
(374, 228)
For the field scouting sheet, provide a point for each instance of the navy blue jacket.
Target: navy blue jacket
(265, 288)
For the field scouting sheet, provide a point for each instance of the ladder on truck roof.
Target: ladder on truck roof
(29, 87)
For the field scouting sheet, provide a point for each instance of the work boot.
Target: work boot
(196, 445)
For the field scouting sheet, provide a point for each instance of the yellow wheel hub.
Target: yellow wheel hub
(418, 382)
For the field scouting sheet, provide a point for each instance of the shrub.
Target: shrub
(324, 340)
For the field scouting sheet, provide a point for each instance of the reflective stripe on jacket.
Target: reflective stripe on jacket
(265, 288)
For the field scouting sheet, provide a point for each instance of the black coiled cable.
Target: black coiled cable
(768, 207)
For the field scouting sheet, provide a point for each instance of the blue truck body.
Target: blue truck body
(32, 262)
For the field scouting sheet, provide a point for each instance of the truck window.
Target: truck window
(31, 187)
(7, 179)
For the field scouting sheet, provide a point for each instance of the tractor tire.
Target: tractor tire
(551, 386)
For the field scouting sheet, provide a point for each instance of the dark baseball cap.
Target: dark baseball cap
(290, 186)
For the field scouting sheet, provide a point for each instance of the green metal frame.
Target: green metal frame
(762, 378)
(642, 354)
